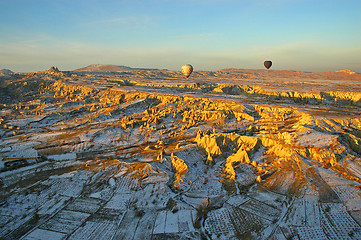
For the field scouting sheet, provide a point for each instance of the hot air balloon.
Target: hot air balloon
(267, 64)
(187, 70)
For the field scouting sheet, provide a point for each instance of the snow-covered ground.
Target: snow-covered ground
(147, 154)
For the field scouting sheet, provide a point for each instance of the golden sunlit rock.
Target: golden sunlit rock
(180, 169)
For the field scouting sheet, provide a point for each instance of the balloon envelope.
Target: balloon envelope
(187, 70)
(267, 64)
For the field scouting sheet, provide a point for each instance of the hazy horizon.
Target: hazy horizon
(140, 67)
(299, 35)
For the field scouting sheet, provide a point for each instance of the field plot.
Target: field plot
(105, 193)
(145, 226)
(338, 224)
(237, 200)
(18, 226)
(219, 225)
(312, 211)
(128, 226)
(233, 222)
(168, 222)
(44, 234)
(261, 209)
(302, 211)
(152, 196)
(86, 205)
(333, 178)
(95, 230)
(350, 196)
(120, 201)
(100, 225)
(61, 225)
(205, 188)
(53, 205)
(326, 193)
(66, 186)
(356, 216)
(126, 184)
(348, 191)
(311, 232)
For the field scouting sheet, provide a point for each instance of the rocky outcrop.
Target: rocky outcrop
(53, 69)
(180, 168)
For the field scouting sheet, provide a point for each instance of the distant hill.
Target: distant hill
(109, 68)
(345, 74)
(346, 71)
(5, 71)
(103, 68)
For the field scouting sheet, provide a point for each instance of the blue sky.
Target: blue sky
(308, 35)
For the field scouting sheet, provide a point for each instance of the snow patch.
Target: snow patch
(62, 157)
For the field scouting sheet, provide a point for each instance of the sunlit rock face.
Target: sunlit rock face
(124, 153)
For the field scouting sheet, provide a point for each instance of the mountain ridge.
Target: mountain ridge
(109, 68)
(5, 71)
